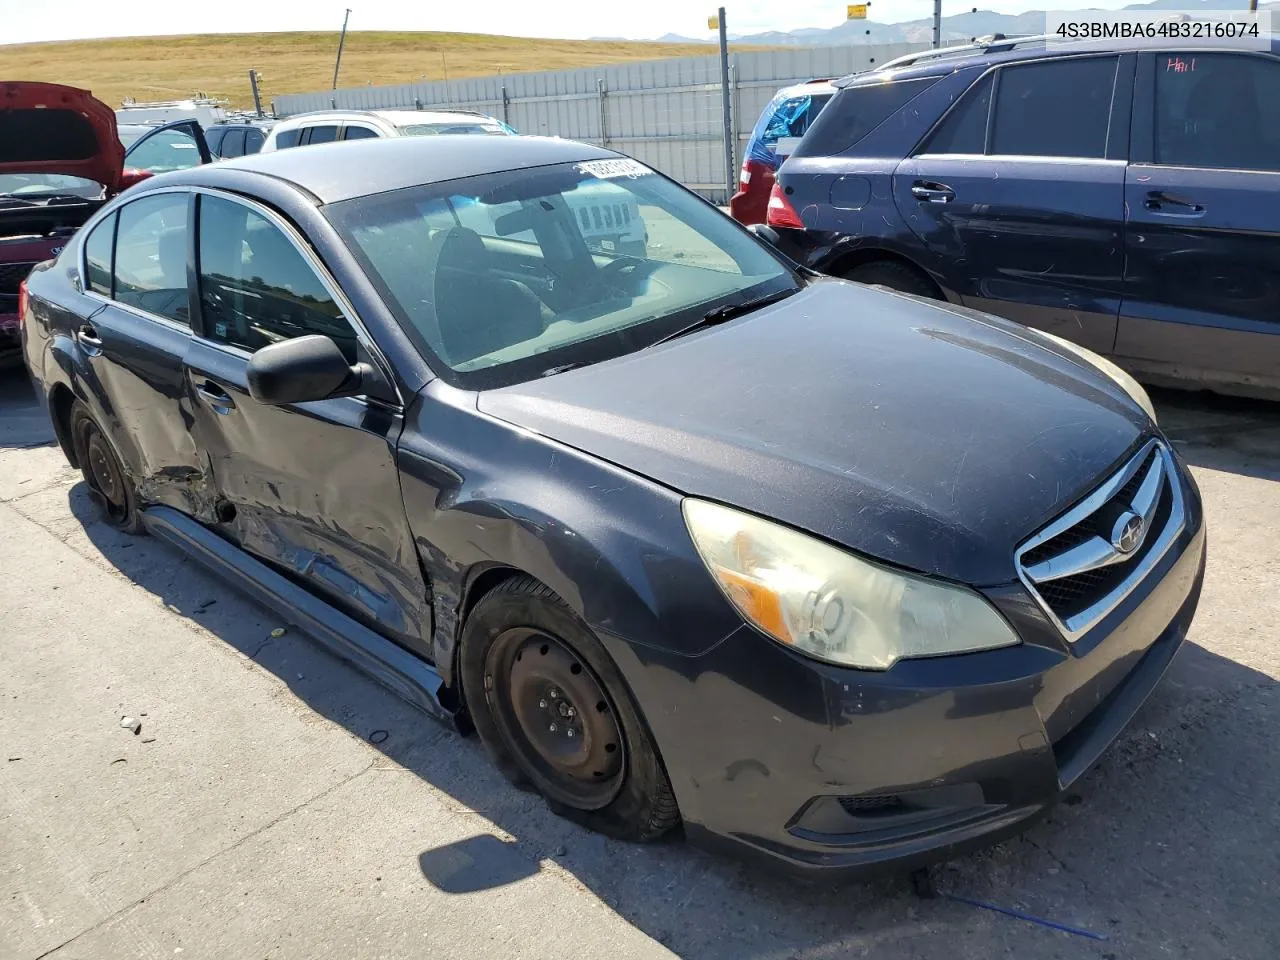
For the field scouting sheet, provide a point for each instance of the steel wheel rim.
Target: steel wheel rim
(556, 718)
(103, 472)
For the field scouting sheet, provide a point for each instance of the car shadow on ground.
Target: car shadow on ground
(22, 422)
(1230, 434)
(1174, 823)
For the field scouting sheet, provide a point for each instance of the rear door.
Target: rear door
(135, 342)
(173, 146)
(314, 486)
(1202, 289)
(1018, 194)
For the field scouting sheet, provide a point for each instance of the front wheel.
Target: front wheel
(553, 713)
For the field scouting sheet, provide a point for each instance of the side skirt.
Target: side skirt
(369, 652)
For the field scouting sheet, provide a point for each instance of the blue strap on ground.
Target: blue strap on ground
(1019, 915)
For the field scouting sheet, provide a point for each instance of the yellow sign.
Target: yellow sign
(713, 22)
(858, 11)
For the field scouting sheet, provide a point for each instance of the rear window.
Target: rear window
(964, 128)
(855, 112)
(1058, 108)
(325, 134)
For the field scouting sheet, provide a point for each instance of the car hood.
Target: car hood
(933, 439)
(51, 128)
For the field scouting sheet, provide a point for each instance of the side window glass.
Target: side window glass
(1058, 108)
(1217, 110)
(326, 134)
(151, 255)
(287, 138)
(964, 129)
(855, 112)
(359, 133)
(256, 288)
(167, 150)
(98, 247)
(213, 139)
(233, 144)
(253, 139)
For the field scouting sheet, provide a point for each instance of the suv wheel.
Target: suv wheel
(896, 276)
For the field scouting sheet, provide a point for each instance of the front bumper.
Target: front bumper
(823, 770)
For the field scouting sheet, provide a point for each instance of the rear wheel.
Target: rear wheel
(109, 487)
(553, 713)
(895, 275)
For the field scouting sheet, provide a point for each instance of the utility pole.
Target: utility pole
(729, 170)
(937, 23)
(253, 83)
(341, 40)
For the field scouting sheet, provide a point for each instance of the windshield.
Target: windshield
(36, 185)
(436, 129)
(509, 276)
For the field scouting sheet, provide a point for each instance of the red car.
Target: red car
(781, 125)
(61, 159)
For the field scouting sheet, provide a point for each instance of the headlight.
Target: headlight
(831, 604)
(1122, 379)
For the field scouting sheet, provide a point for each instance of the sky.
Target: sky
(23, 21)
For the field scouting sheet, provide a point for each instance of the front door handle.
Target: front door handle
(927, 191)
(88, 338)
(1158, 200)
(216, 397)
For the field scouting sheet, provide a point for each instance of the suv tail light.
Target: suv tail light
(781, 213)
(750, 167)
(22, 304)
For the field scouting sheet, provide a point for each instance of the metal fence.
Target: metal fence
(666, 113)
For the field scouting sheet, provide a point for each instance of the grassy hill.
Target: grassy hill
(217, 65)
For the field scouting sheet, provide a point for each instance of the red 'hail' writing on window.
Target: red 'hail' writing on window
(1178, 65)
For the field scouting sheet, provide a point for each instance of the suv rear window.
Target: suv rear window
(964, 129)
(855, 112)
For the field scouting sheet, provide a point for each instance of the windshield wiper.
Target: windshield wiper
(564, 368)
(728, 311)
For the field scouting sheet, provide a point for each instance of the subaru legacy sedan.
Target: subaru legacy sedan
(825, 573)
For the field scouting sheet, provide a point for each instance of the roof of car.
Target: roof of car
(356, 168)
(397, 118)
(999, 49)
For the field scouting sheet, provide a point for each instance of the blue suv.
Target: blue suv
(1127, 200)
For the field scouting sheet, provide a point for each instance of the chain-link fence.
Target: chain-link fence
(666, 113)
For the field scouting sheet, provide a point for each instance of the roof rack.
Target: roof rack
(995, 43)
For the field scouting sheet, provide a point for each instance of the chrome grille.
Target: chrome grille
(1080, 567)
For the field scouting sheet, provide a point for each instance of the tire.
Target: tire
(110, 487)
(531, 672)
(896, 276)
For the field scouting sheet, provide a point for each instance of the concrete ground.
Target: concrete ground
(277, 805)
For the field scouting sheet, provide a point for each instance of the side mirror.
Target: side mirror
(302, 370)
(763, 231)
(130, 178)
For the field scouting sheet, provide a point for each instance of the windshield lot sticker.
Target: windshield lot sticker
(613, 169)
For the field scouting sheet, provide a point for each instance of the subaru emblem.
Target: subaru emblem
(1127, 534)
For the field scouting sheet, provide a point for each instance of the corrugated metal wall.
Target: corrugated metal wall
(667, 113)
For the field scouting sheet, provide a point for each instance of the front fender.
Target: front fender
(481, 493)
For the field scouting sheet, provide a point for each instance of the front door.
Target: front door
(1202, 297)
(1021, 203)
(133, 344)
(174, 146)
(311, 488)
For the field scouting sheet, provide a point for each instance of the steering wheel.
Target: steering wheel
(625, 268)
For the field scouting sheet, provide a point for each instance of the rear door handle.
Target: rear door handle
(88, 337)
(216, 397)
(1158, 200)
(927, 191)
